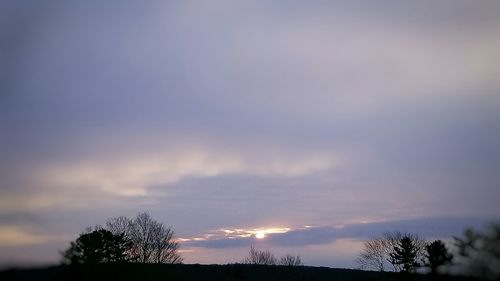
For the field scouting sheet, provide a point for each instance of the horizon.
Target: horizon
(299, 127)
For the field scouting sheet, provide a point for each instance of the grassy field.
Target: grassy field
(206, 272)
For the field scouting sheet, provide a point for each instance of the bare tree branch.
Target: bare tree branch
(260, 257)
(152, 241)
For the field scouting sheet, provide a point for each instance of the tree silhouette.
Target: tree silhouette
(98, 246)
(376, 252)
(393, 240)
(152, 242)
(405, 254)
(260, 257)
(479, 252)
(289, 260)
(437, 255)
(267, 258)
(373, 254)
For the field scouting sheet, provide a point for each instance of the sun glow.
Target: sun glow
(260, 235)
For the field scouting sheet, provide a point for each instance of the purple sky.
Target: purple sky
(317, 123)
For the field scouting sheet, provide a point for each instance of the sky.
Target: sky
(317, 124)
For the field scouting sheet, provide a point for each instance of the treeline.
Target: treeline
(475, 253)
(403, 252)
(145, 240)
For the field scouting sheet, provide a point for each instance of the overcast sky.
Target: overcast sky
(318, 123)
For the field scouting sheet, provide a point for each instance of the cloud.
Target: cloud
(139, 174)
(12, 235)
(431, 228)
(319, 64)
(132, 175)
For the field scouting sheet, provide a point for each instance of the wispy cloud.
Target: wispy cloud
(15, 235)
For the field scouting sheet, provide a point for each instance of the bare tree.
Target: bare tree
(290, 260)
(123, 226)
(119, 224)
(373, 255)
(164, 249)
(260, 257)
(152, 241)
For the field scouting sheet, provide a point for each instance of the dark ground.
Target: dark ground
(207, 272)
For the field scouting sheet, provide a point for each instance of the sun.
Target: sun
(260, 235)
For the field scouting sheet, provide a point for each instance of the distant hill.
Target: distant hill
(191, 272)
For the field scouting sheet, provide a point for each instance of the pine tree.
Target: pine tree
(437, 255)
(405, 254)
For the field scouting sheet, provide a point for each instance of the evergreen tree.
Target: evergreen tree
(98, 246)
(437, 255)
(405, 254)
